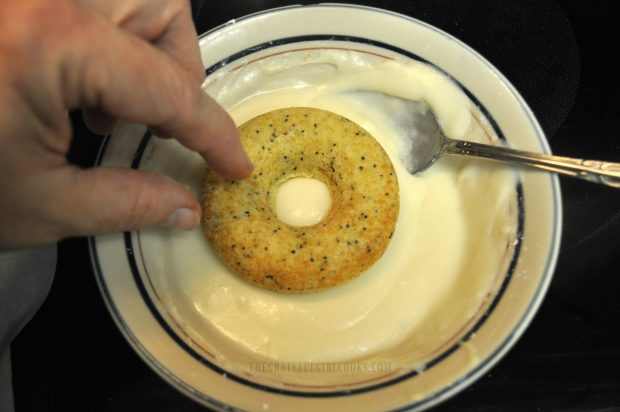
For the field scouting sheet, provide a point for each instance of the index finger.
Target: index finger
(132, 80)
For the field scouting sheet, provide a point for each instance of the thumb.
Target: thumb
(107, 199)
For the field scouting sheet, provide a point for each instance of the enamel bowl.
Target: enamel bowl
(136, 270)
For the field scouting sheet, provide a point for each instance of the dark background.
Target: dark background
(564, 59)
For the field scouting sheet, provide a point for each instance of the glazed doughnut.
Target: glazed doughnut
(239, 216)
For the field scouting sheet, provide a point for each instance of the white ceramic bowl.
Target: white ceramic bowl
(129, 266)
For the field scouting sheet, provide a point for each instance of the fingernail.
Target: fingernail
(183, 218)
(249, 163)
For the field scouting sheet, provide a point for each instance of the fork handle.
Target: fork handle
(607, 173)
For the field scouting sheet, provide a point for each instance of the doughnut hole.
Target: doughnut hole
(302, 201)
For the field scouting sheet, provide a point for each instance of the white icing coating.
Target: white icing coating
(302, 201)
(448, 248)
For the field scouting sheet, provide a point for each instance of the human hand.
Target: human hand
(136, 60)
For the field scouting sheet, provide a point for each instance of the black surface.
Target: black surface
(564, 59)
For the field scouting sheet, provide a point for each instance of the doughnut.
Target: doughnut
(239, 217)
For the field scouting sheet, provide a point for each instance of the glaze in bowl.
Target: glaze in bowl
(204, 365)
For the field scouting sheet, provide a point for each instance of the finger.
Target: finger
(118, 199)
(170, 27)
(180, 41)
(167, 24)
(129, 79)
(98, 121)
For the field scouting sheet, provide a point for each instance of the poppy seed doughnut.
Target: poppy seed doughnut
(239, 216)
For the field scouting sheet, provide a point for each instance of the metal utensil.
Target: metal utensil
(429, 143)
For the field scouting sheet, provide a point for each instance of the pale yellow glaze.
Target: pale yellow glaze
(448, 249)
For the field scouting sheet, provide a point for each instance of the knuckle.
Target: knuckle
(62, 15)
(179, 5)
(139, 212)
(34, 33)
(182, 99)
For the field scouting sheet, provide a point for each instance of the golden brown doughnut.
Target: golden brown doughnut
(239, 216)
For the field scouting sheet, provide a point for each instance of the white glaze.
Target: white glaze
(302, 201)
(447, 250)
